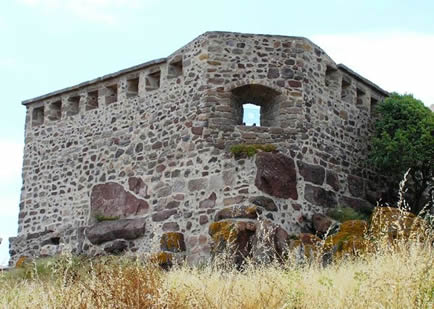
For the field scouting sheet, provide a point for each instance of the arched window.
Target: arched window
(256, 104)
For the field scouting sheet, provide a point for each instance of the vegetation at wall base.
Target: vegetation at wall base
(396, 273)
(342, 214)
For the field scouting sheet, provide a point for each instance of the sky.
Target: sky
(251, 114)
(51, 44)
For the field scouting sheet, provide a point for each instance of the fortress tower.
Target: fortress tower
(144, 153)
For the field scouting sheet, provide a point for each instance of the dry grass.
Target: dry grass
(402, 277)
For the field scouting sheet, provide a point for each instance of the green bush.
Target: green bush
(342, 214)
(404, 141)
(251, 149)
(40, 269)
(60, 267)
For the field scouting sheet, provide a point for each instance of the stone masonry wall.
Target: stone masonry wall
(139, 160)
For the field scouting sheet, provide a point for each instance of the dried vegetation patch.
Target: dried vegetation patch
(398, 277)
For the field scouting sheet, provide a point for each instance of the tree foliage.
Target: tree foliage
(404, 139)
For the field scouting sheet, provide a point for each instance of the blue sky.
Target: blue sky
(51, 44)
(251, 114)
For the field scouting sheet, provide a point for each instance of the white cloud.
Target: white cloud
(105, 11)
(401, 62)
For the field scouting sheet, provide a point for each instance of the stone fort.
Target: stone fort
(139, 159)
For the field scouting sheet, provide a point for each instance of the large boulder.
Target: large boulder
(244, 212)
(396, 223)
(112, 200)
(309, 239)
(163, 259)
(172, 242)
(332, 179)
(276, 175)
(263, 201)
(357, 204)
(346, 245)
(117, 246)
(319, 196)
(354, 227)
(311, 173)
(306, 245)
(138, 186)
(350, 240)
(321, 223)
(230, 233)
(355, 186)
(269, 241)
(261, 241)
(117, 229)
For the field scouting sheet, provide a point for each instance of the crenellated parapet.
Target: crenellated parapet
(137, 81)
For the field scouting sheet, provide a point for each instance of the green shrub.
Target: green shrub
(251, 149)
(403, 142)
(40, 269)
(342, 214)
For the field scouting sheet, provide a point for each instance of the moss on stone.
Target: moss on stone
(309, 242)
(309, 239)
(161, 258)
(173, 242)
(251, 210)
(251, 149)
(223, 231)
(349, 241)
(354, 227)
(353, 245)
(395, 223)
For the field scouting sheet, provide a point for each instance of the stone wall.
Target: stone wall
(139, 160)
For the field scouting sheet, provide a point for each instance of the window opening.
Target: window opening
(373, 105)
(331, 75)
(38, 116)
(174, 69)
(255, 105)
(360, 94)
(73, 106)
(345, 89)
(153, 81)
(132, 87)
(55, 240)
(112, 94)
(55, 111)
(92, 100)
(251, 115)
